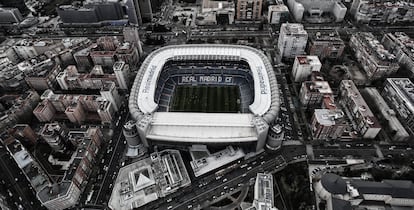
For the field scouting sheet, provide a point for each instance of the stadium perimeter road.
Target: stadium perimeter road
(198, 193)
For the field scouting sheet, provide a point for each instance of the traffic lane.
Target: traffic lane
(216, 187)
(211, 180)
(250, 174)
(112, 165)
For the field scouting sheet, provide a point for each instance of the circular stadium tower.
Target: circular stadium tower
(205, 94)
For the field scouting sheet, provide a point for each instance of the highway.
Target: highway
(206, 189)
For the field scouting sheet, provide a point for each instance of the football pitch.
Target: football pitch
(209, 99)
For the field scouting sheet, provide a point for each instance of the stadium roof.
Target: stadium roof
(202, 127)
(266, 93)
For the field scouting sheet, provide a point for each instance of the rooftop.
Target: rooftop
(308, 60)
(324, 35)
(405, 89)
(318, 87)
(266, 97)
(358, 101)
(405, 42)
(148, 179)
(328, 117)
(371, 45)
(202, 127)
(387, 113)
(293, 29)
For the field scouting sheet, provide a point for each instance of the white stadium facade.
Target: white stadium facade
(246, 67)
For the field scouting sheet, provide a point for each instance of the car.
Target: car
(222, 193)
(190, 206)
(224, 180)
(249, 168)
(169, 200)
(225, 187)
(169, 207)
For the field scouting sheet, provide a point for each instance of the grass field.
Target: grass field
(208, 99)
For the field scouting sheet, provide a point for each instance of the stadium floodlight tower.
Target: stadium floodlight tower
(205, 94)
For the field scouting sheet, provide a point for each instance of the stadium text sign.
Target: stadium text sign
(151, 73)
(206, 79)
(263, 88)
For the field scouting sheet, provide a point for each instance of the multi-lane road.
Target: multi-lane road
(207, 189)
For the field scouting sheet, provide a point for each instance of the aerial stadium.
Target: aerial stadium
(205, 94)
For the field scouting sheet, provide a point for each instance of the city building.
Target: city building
(66, 192)
(103, 58)
(313, 92)
(338, 193)
(29, 48)
(32, 170)
(19, 4)
(121, 71)
(134, 12)
(376, 61)
(45, 111)
(71, 79)
(128, 53)
(110, 93)
(317, 11)
(212, 11)
(399, 93)
(55, 134)
(24, 133)
(135, 146)
(303, 67)
(386, 116)
(292, 40)
(357, 109)
(149, 179)
(17, 108)
(43, 75)
(75, 113)
(204, 162)
(131, 35)
(249, 10)
(278, 14)
(108, 43)
(146, 10)
(77, 108)
(106, 112)
(263, 193)
(10, 16)
(93, 11)
(326, 44)
(370, 11)
(402, 46)
(83, 58)
(328, 124)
